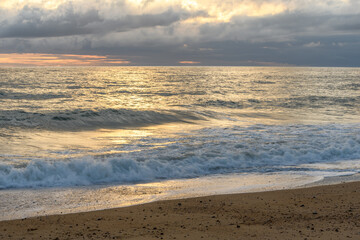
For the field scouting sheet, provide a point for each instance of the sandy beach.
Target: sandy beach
(322, 212)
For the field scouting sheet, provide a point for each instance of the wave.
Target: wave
(29, 96)
(288, 103)
(253, 149)
(92, 119)
(85, 172)
(319, 102)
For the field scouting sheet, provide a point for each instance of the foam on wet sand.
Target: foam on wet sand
(325, 212)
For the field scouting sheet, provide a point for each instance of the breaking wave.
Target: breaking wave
(259, 148)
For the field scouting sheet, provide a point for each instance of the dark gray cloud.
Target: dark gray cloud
(130, 22)
(36, 22)
(283, 27)
(349, 23)
(64, 21)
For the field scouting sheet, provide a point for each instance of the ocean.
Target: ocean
(85, 138)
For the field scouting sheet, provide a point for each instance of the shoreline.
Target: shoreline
(27, 203)
(325, 211)
(334, 180)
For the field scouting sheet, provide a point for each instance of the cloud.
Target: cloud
(312, 44)
(31, 59)
(36, 22)
(33, 22)
(160, 32)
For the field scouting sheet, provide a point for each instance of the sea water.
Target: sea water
(79, 138)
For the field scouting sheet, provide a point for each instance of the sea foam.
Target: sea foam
(254, 149)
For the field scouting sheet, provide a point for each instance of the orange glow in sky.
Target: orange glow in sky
(188, 62)
(39, 59)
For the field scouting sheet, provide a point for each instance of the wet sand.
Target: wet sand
(322, 212)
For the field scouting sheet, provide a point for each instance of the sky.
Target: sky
(188, 32)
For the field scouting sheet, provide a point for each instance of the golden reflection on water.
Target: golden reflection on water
(121, 136)
(56, 144)
(137, 103)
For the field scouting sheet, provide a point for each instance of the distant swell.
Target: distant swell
(29, 96)
(288, 103)
(92, 119)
